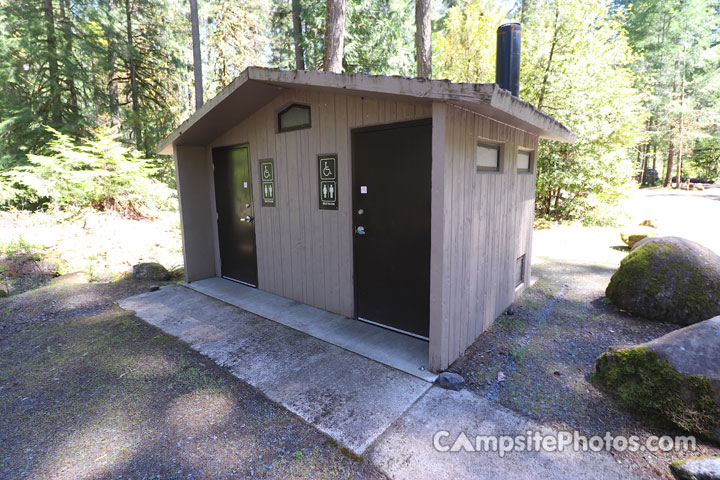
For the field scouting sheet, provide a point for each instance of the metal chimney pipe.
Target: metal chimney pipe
(507, 64)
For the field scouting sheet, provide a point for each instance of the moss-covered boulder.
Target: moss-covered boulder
(674, 379)
(150, 271)
(668, 279)
(631, 237)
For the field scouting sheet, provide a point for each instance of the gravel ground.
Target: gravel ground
(90, 391)
(546, 344)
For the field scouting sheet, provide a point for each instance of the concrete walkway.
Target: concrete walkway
(405, 451)
(402, 352)
(388, 416)
(350, 398)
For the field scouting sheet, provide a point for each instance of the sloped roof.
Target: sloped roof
(257, 86)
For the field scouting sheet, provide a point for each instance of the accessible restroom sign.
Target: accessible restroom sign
(267, 182)
(327, 174)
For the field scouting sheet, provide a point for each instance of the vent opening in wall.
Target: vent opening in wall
(520, 271)
(487, 157)
(525, 161)
(294, 117)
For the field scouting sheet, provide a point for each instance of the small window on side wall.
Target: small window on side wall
(525, 160)
(294, 117)
(487, 157)
(520, 271)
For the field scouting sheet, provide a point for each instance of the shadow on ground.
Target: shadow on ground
(89, 391)
(546, 346)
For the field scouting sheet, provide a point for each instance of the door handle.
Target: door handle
(360, 230)
(248, 219)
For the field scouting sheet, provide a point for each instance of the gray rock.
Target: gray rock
(451, 381)
(153, 288)
(693, 351)
(150, 271)
(668, 279)
(696, 468)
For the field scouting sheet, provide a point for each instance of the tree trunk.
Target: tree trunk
(682, 125)
(112, 59)
(671, 149)
(654, 177)
(66, 26)
(670, 158)
(297, 36)
(133, 77)
(53, 74)
(334, 35)
(679, 166)
(423, 43)
(523, 11)
(643, 163)
(546, 76)
(197, 59)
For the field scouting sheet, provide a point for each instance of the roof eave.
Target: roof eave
(525, 112)
(521, 113)
(165, 147)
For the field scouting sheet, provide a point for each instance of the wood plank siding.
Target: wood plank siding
(305, 253)
(193, 175)
(482, 222)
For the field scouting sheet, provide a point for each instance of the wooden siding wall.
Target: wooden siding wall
(194, 181)
(486, 222)
(305, 253)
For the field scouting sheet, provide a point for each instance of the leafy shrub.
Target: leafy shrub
(569, 51)
(100, 173)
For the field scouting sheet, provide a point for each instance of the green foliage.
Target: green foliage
(623, 76)
(100, 173)
(237, 37)
(465, 50)
(20, 246)
(652, 387)
(679, 63)
(379, 36)
(575, 67)
(705, 159)
(91, 85)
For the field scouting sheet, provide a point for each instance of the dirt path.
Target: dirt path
(547, 347)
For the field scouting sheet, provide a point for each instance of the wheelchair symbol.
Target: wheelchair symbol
(327, 171)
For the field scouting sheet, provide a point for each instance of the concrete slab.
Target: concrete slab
(405, 450)
(397, 350)
(350, 398)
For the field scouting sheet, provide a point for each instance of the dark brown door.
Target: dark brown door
(391, 217)
(236, 225)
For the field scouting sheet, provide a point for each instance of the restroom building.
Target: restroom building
(406, 203)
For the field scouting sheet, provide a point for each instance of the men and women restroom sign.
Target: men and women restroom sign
(327, 170)
(327, 176)
(267, 182)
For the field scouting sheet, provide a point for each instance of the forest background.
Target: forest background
(89, 87)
